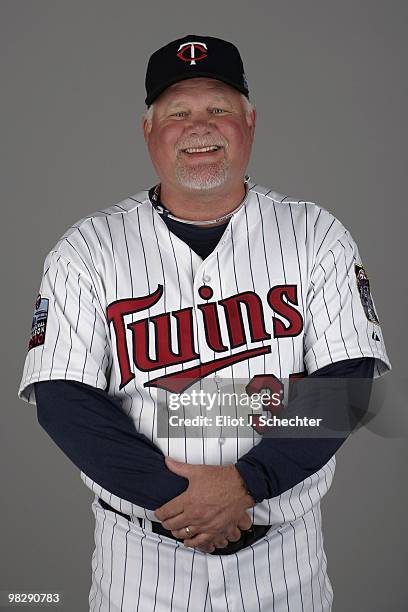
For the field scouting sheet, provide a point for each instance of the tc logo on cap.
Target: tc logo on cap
(190, 52)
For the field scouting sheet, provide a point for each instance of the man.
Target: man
(204, 278)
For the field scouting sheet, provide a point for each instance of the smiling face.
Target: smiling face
(200, 136)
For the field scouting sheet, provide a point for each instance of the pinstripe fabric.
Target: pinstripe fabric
(134, 569)
(126, 251)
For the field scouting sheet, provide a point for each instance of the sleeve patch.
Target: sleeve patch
(363, 285)
(39, 323)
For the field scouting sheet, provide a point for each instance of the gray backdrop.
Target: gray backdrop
(330, 83)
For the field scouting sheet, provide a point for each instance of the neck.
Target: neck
(203, 205)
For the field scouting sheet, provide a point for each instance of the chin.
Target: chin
(201, 180)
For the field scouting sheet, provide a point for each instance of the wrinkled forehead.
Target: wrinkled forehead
(198, 86)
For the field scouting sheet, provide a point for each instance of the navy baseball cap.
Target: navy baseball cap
(194, 56)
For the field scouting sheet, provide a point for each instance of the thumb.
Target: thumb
(178, 467)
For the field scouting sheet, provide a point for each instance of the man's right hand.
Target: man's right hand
(211, 541)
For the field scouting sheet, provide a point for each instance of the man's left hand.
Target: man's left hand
(214, 501)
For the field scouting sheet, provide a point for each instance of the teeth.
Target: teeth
(202, 149)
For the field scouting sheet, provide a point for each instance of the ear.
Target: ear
(147, 128)
(251, 120)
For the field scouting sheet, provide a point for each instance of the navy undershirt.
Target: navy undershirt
(202, 239)
(101, 440)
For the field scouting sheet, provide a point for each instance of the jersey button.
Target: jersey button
(206, 278)
(221, 440)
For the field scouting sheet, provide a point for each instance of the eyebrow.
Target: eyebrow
(183, 101)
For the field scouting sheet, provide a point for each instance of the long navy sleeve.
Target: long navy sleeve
(98, 437)
(91, 429)
(278, 463)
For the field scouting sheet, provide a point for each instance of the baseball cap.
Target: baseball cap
(194, 56)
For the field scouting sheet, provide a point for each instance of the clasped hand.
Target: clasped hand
(213, 507)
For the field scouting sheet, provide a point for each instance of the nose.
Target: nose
(199, 126)
(199, 123)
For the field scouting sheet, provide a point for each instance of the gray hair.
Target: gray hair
(248, 105)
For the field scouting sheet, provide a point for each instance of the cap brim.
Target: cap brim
(184, 77)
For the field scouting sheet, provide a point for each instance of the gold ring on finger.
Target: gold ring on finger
(187, 530)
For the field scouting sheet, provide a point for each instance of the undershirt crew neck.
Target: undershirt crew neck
(202, 240)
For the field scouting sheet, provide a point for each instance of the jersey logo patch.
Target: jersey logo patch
(39, 324)
(363, 285)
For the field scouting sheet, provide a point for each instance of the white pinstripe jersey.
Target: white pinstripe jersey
(121, 301)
